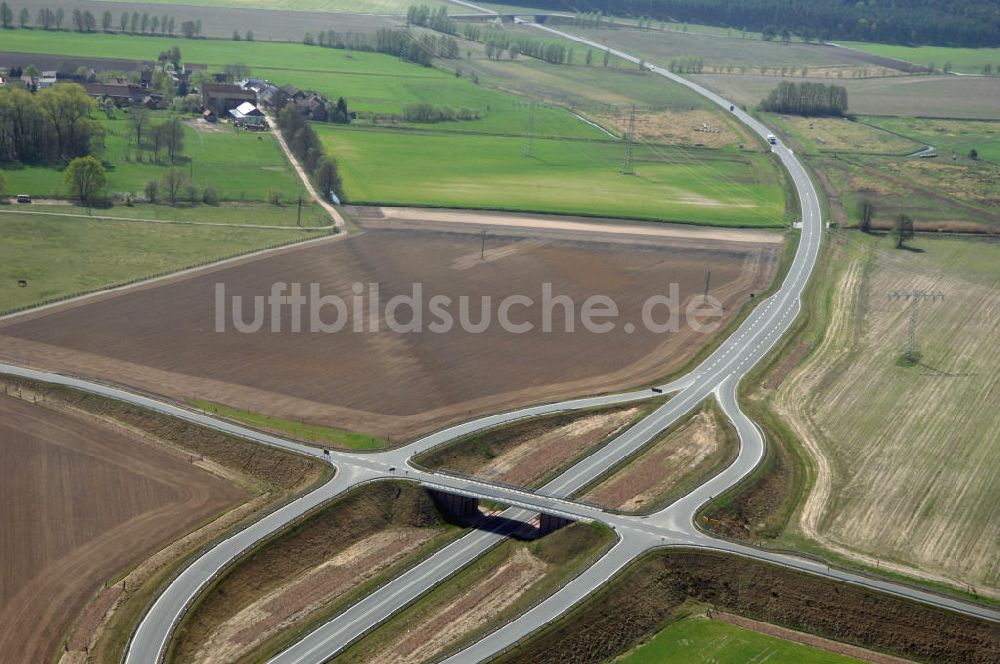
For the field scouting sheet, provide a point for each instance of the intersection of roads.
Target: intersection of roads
(717, 376)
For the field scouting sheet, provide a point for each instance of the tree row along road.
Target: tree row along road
(717, 375)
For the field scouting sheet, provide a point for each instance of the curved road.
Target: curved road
(717, 375)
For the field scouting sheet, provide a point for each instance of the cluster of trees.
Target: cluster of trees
(155, 138)
(438, 20)
(248, 37)
(175, 186)
(85, 21)
(498, 40)
(953, 23)
(807, 99)
(306, 146)
(392, 42)
(688, 64)
(52, 126)
(428, 113)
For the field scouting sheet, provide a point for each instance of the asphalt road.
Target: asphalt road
(717, 375)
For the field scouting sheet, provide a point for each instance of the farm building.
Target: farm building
(220, 98)
(247, 115)
(116, 92)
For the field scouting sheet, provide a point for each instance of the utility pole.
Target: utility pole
(708, 280)
(482, 251)
(298, 218)
(531, 129)
(914, 296)
(629, 138)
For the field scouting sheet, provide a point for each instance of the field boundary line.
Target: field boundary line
(338, 221)
(183, 222)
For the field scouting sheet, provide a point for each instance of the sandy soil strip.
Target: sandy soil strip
(808, 639)
(477, 606)
(535, 457)
(293, 601)
(655, 472)
(621, 228)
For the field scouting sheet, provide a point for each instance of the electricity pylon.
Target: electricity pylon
(914, 296)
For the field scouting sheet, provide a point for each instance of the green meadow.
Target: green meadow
(574, 167)
(570, 176)
(60, 257)
(965, 60)
(958, 136)
(241, 166)
(698, 639)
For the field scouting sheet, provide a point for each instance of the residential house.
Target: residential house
(48, 79)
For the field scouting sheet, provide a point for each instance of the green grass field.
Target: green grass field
(371, 82)
(311, 433)
(698, 639)
(242, 166)
(965, 60)
(61, 257)
(958, 136)
(578, 177)
(394, 7)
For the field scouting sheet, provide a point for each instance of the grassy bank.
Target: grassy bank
(60, 257)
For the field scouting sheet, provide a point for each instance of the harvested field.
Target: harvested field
(703, 128)
(526, 453)
(395, 384)
(817, 135)
(922, 96)
(80, 502)
(310, 571)
(653, 590)
(678, 460)
(922, 500)
(501, 584)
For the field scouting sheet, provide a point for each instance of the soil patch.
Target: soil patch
(395, 384)
(79, 502)
(665, 470)
(526, 453)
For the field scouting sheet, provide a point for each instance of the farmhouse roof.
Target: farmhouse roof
(245, 109)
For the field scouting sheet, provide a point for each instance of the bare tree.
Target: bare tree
(866, 211)
(173, 182)
(904, 230)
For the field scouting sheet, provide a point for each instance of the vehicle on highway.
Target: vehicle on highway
(772, 139)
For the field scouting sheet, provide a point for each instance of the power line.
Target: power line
(914, 296)
(627, 168)
(530, 137)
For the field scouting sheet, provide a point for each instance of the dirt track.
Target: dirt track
(79, 503)
(161, 337)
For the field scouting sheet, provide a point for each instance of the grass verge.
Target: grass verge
(310, 433)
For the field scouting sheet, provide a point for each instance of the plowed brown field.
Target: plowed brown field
(79, 503)
(161, 338)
